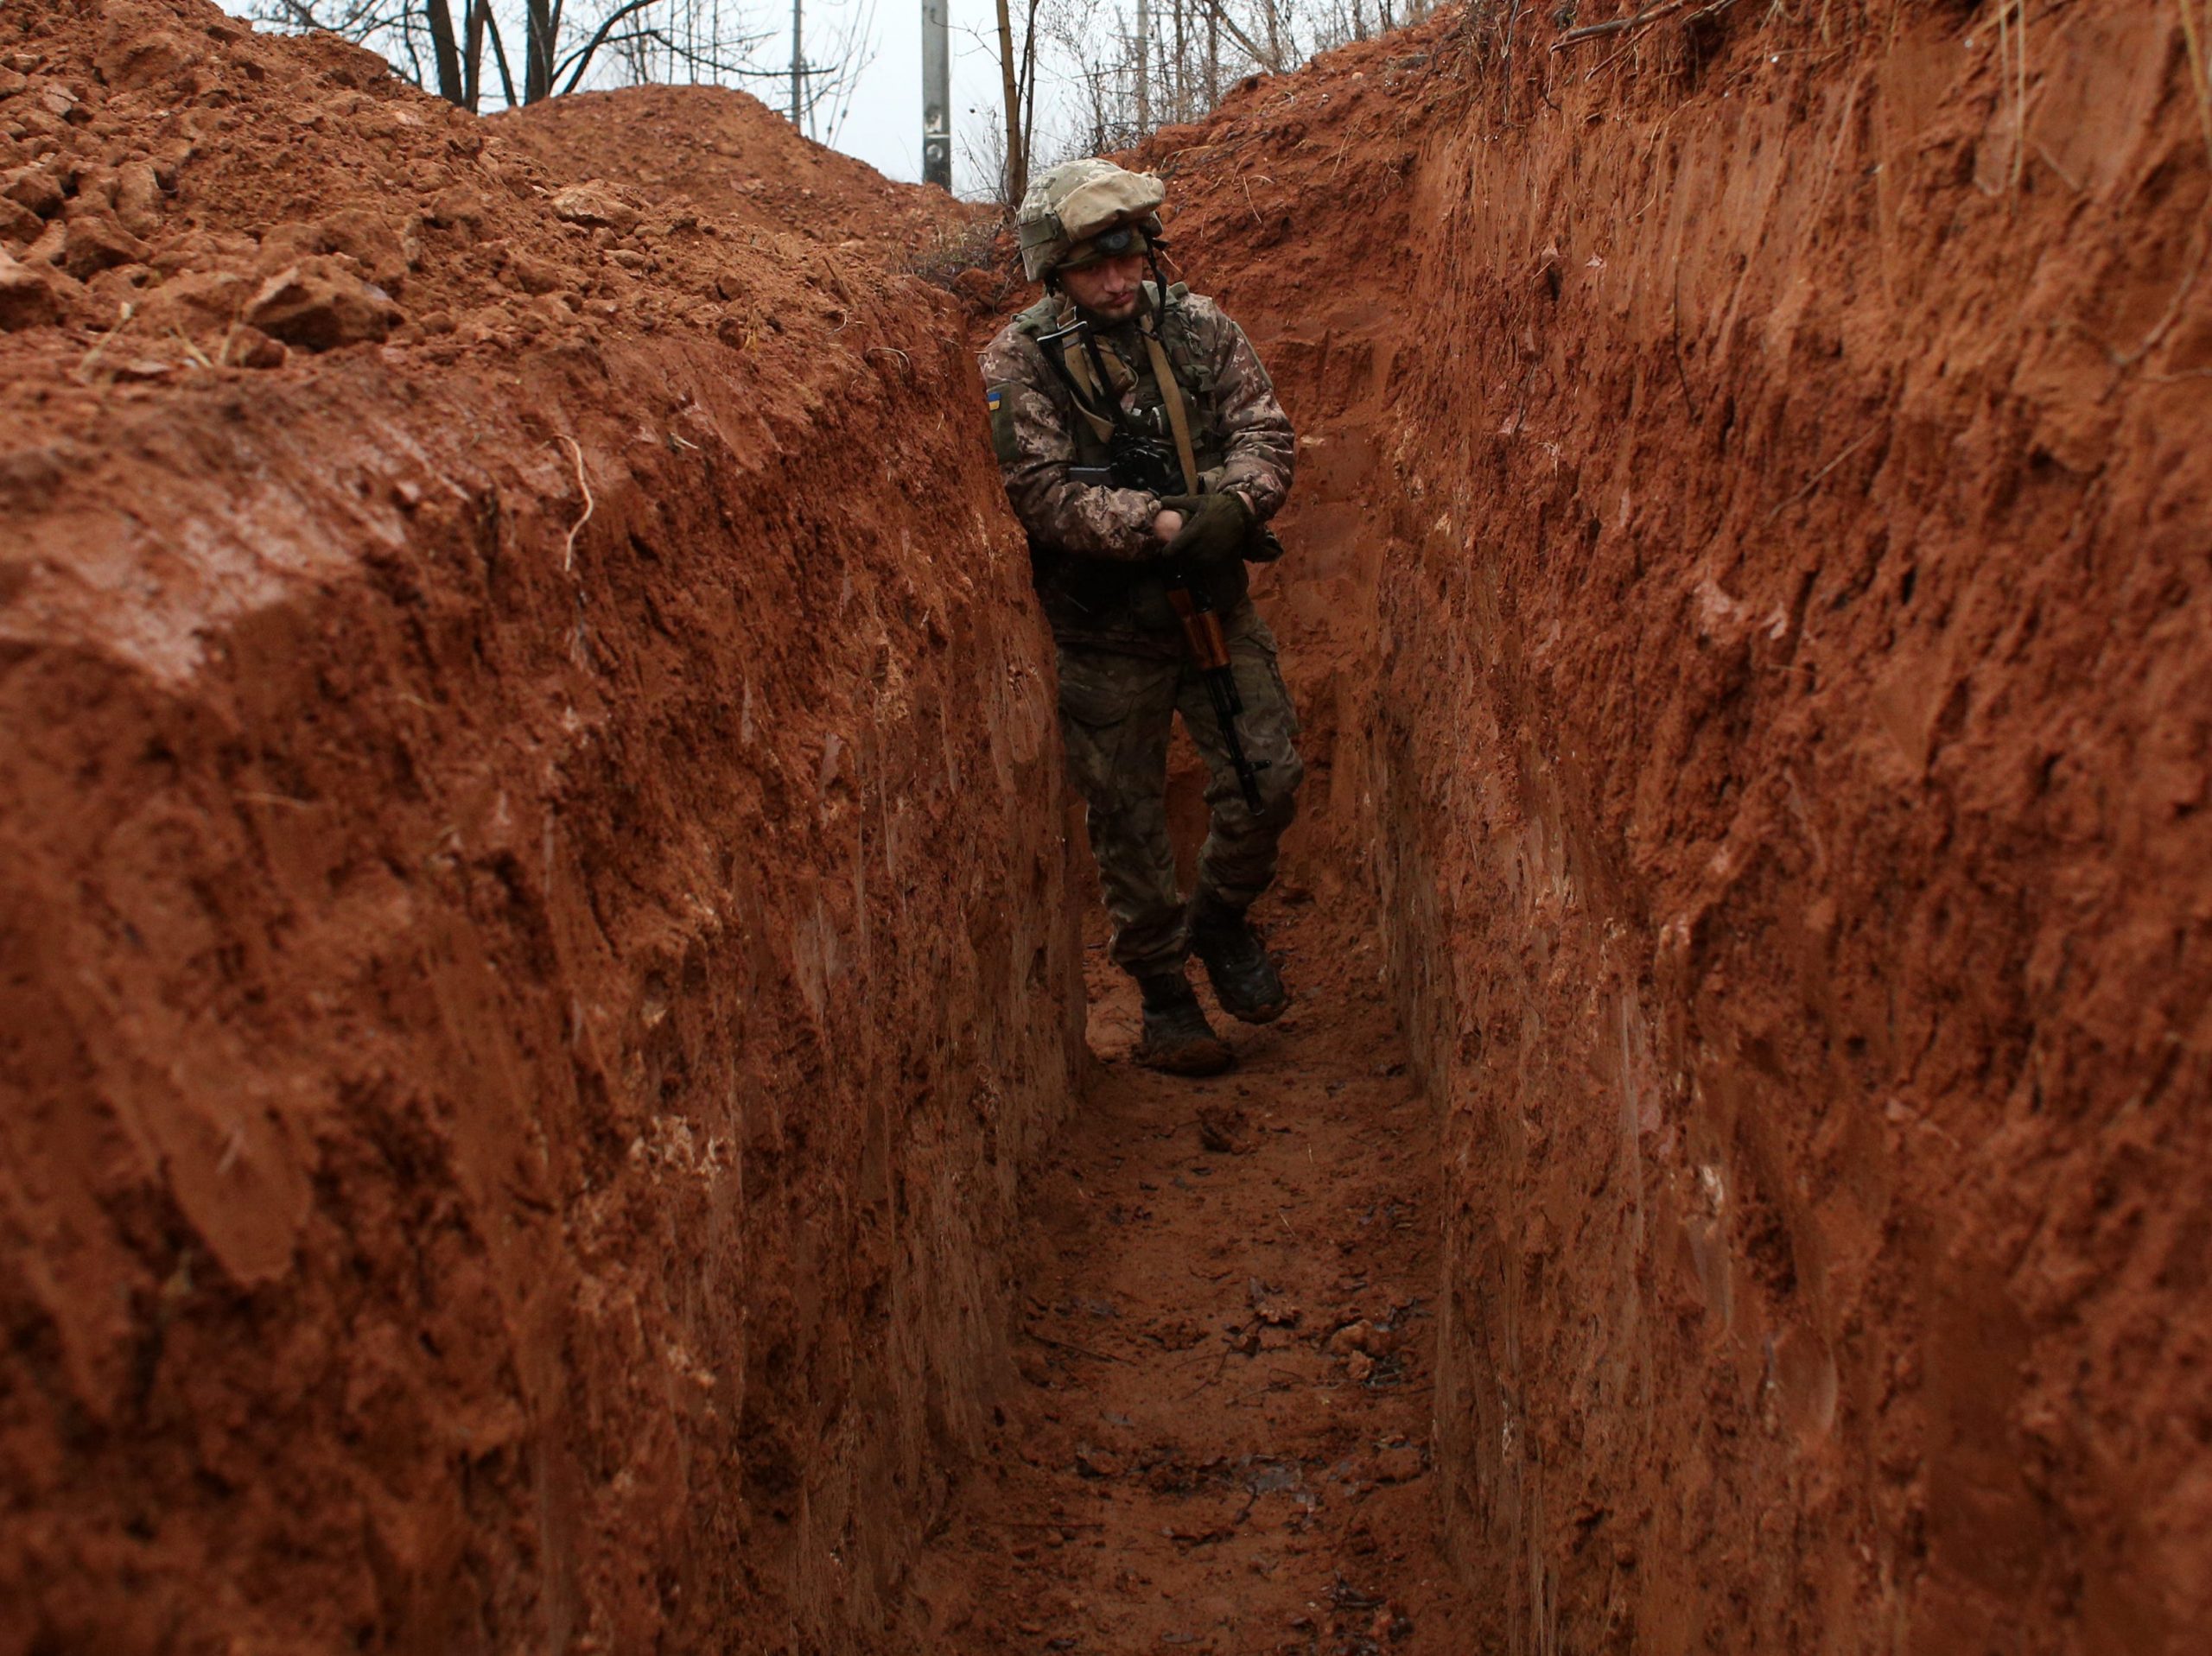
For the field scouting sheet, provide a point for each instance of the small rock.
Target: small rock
(47, 250)
(593, 204)
(137, 197)
(459, 207)
(284, 245)
(1359, 1366)
(250, 348)
(195, 300)
(17, 223)
(386, 253)
(26, 299)
(535, 275)
(1363, 1337)
(34, 187)
(318, 305)
(96, 242)
(1271, 1307)
(1097, 1462)
(91, 190)
(121, 284)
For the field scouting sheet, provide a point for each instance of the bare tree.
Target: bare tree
(1120, 70)
(1017, 96)
(445, 46)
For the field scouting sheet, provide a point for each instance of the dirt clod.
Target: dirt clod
(595, 206)
(95, 241)
(319, 305)
(27, 299)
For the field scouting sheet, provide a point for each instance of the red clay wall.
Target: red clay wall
(1749, 576)
(1805, 878)
(518, 1032)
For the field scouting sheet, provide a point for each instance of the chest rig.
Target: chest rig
(1163, 398)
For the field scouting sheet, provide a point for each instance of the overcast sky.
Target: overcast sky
(883, 126)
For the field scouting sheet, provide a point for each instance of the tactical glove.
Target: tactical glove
(1215, 527)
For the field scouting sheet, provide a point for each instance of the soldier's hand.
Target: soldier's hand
(1167, 525)
(1215, 526)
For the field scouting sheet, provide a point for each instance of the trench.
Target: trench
(560, 1092)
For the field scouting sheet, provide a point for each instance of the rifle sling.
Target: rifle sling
(1179, 417)
(1090, 396)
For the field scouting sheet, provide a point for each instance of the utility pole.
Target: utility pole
(798, 69)
(936, 95)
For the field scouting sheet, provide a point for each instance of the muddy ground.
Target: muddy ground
(542, 979)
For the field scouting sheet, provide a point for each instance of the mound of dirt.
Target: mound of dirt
(729, 156)
(213, 197)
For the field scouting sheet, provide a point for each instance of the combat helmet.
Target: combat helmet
(1084, 210)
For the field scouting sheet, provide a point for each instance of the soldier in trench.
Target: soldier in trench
(1138, 435)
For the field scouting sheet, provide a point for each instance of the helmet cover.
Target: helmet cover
(1068, 215)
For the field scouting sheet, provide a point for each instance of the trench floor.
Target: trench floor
(1219, 1441)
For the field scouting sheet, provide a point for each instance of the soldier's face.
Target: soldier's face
(1109, 288)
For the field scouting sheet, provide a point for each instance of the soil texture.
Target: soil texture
(539, 988)
(1750, 548)
(529, 967)
(1219, 1441)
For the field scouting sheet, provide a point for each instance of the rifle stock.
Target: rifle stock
(1208, 648)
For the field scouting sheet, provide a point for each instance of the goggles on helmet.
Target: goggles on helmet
(1121, 240)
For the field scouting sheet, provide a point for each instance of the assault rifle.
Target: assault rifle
(1137, 461)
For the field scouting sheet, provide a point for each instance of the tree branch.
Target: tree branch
(582, 56)
(1236, 34)
(499, 57)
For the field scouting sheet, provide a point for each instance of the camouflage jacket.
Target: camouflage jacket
(1091, 544)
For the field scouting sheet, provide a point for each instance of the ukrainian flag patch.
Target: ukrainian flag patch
(1000, 399)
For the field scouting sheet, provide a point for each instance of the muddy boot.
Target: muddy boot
(1245, 981)
(1176, 1037)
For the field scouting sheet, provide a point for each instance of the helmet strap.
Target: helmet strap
(1159, 278)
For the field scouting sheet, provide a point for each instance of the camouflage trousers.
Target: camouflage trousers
(1116, 712)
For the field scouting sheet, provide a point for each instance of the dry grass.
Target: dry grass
(953, 250)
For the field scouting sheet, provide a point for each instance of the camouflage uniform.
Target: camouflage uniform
(1124, 670)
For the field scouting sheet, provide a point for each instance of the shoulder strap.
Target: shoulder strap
(1074, 371)
(1179, 417)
